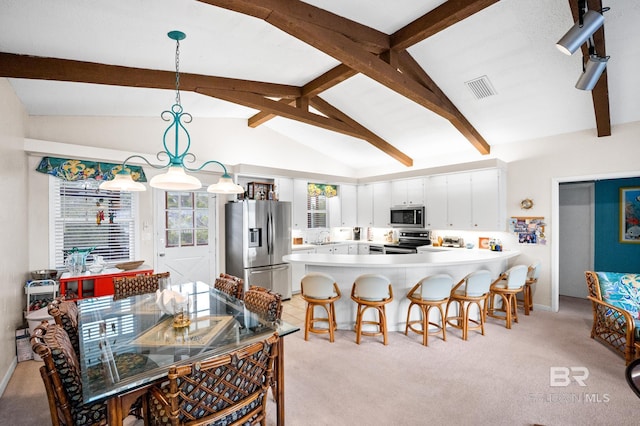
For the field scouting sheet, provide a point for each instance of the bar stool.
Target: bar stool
(319, 289)
(430, 292)
(471, 290)
(532, 278)
(371, 291)
(507, 286)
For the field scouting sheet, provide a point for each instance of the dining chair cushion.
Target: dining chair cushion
(316, 285)
(372, 287)
(436, 287)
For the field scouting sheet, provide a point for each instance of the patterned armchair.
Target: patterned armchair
(61, 376)
(616, 311)
(226, 390)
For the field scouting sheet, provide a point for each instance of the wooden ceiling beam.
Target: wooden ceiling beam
(440, 18)
(370, 39)
(39, 68)
(375, 140)
(282, 109)
(600, 93)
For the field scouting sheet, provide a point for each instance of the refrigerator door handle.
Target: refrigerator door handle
(270, 232)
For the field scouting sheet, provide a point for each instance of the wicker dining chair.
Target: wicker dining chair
(61, 376)
(230, 285)
(264, 302)
(228, 389)
(124, 287)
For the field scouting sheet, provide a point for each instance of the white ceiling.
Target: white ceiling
(511, 42)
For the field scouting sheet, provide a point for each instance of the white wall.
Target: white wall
(13, 226)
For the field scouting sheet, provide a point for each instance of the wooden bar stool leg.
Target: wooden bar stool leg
(330, 321)
(442, 323)
(308, 320)
(383, 322)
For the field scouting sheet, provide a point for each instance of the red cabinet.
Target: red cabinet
(95, 285)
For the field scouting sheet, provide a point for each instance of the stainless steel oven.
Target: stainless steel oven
(408, 242)
(376, 249)
(407, 217)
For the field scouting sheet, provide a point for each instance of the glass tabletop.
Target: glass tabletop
(127, 343)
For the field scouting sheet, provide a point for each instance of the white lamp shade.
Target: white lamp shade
(576, 36)
(175, 179)
(592, 72)
(122, 182)
(225, 186)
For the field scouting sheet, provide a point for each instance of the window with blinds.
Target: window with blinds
(317, 211)
(84, 217)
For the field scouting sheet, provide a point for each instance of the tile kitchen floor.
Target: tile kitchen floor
(293, 310)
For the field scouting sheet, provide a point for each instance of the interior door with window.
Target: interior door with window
(186, 235)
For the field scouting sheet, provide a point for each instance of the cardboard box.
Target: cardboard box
(23, 345)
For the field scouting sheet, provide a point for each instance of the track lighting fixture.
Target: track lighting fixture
(580, 32)
(593, 70)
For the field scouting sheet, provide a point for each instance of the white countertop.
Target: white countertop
(440, 258)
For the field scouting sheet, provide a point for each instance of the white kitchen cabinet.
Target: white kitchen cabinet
(348, 205)
(459, 201)
(298, 270)
(352, 248)
(299, 213)
(363, 248)
(436, 202)
(467, 201)
(340, 249)
(488, 197)
(381, 204)
(407, 192)
(365, 205)
(284, 188)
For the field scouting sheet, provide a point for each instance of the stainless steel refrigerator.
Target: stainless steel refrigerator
(258, 235)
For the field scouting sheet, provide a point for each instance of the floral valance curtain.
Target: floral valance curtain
(73, 170)
(318, 189)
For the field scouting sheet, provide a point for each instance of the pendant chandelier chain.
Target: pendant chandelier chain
(178, 72)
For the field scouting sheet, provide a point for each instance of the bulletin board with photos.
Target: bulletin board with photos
(529, 229)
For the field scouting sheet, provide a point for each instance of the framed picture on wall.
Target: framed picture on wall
(630, 214)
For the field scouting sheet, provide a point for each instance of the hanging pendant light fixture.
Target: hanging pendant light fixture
(176, 178)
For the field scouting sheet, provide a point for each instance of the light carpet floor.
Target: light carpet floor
(502, 378)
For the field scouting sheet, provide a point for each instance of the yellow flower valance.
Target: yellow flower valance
(318, 189)
(73, 170)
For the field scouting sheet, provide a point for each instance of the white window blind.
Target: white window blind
(83, 217)
(317, 211)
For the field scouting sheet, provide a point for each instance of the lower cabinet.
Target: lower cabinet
(83, 286)
(298, 270)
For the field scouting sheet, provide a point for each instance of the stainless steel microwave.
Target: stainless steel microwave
(407, 217)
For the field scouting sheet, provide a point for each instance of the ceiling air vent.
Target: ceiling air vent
(481, 87)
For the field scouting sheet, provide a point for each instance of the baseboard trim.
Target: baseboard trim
(7, 376)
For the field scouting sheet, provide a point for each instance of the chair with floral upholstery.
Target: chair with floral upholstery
(228, 389)
(61, 376)
(615, 298)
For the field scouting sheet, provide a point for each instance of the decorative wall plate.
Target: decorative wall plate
(526, 204)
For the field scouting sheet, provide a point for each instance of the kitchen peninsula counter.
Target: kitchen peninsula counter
(404, 271)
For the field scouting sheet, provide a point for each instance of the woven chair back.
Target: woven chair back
(228, 389)
(372, 287)
(65, 314)
(317, 285)
(124, 287)
(436, 287)
(264, 302)
(231, 285)
(477, 283)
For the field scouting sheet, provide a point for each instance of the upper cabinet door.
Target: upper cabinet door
(407, 192)
(365, 205)
(459, 201)
(299, 217)
(381, 204)
(349, 202)
(436, 202)
(488, 206)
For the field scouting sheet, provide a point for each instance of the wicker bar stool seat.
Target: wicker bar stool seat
(319, 290)
(371, 291)
(507, 286)
(472, 290)
(430, 292)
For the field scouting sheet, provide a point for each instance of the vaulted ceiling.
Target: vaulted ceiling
(371, 82)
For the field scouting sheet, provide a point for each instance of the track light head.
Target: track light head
(579, 34)
(593, 70)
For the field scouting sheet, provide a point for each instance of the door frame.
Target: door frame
(555, 219)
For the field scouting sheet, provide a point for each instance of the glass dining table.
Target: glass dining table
(128, 345)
